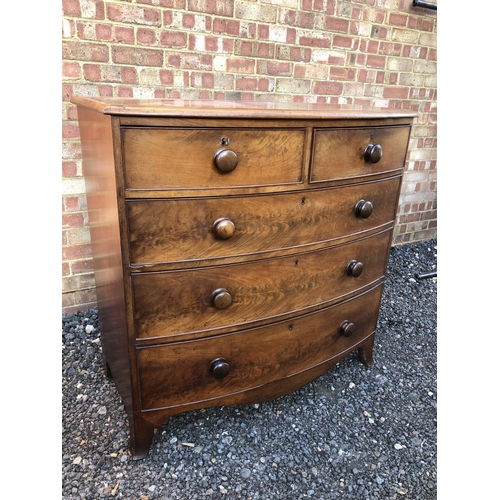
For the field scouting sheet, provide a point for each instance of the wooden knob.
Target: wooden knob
(373, 153)
(219, 368)
(363, 209)
(226, 160)
(346, 328)
(354, 268)
(223, 228)
(221, 298)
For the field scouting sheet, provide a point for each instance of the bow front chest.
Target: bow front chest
(239, 248)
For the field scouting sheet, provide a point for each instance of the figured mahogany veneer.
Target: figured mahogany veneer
(239, 248)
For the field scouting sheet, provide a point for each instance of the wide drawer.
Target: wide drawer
(157, 158)
(182, 230)
(184, 372)
(353, 153)
(211, 299)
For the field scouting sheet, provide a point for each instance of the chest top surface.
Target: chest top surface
(236, 109)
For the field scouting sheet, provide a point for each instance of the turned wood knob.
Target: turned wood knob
(346, 328)
(219, 368)
(354, 268)
(221, 298)
(373, 153)
(226, 160)
(223, 228)
(363, 209)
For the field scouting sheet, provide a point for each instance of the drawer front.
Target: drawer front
(177, 303)
(342, 153)
(156, 158)
(207, 228)
(182, 373)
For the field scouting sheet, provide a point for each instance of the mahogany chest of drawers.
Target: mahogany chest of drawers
(239, 248)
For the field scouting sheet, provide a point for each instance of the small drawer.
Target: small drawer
(208, 301)
(182, 230)
(157, 158)
(188, 372)
(356, 153)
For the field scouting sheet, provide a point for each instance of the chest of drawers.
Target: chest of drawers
(239, 248)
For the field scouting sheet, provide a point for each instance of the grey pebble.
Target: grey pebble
(245, 473)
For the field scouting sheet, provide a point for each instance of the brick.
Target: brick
(331, 88)
(133, 14)
(124, 35)
(376, 61)
(255, 12)
(247, 30)
(428, 39)
(149, 77)
(246, 83)
(137, 57)
(71, 70)
(223, 81)
(85, 51)
(72, 220)
(226, 26)
(355, 90)
(343, 42)
(274, 68)
(239, 65)
(166, 77)
(263, 32)
(360, 28)
(78, 301)
(345, 74)
(71, 8)
(296, 18)
(425, 67)
(71, 151)
(219, 7)
(390, 49)
(337, 25)
(293, 86)
(129, 75)
(398, 19)
(82, 266)
(92, 72)
(76, 252)
(314, 41)
(203, 80)
(173, 39)
(396, 92)
(124, 92)
(92, 9)
(147, 36)
(399, 64)
(104, 32)
(373, 15)
(405, 36)
(367, 76)
(68, 28)
(411, 79)
(70, 130)
(78, 282)
(74, 203)
(70, 169)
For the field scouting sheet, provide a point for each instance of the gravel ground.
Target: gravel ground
(354, 433)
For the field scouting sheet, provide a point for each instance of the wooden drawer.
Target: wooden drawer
(180, 373)
(339, 153)
(161, 158)
(179, 303)
(183, 230)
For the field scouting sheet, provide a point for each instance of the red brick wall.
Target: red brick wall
(372, 52)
